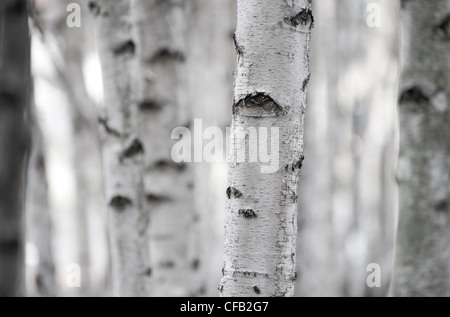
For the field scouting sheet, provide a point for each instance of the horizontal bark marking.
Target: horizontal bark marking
(443, 28)
(120, 203)
(164, 55)
(304, 17)
(167, 264)
(257, 105)
(233, 193)
(150, 105)
(157, 199)
(164, 165)
(132, 149)
(126, 48)
(415, 100)
(441, 206)
(9, 246)
(247, 213)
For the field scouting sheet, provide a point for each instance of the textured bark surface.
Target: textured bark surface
(272, 43)
(162, 97)
(123, 151)
(422, 254)
(14, 141)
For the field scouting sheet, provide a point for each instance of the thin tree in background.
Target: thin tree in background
(163, 105)
(272, 43)
(14, 141)
(422, 254)
(123, 151)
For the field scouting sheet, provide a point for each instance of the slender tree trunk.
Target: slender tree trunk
(272, 42)
(14, 141)
(39, 226)
(163, 105)
(123, 151)
(422, 254)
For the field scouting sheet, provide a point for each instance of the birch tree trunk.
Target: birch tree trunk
(39, 226)
(123, 151)
(272, 42)
(14, 141)
(422, 254)
(163, 104)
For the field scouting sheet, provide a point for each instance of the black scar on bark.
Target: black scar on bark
(94, 8)
(151, 105)
(165, 165)
(441, 206)
(256, 289)
(195, 264)
(9, 245)
(247, 213)
(233, 193)
(148, 272)
(296, 166)
(415, 100)
(257, 105)
(133, 149)
(304, 17)
(305, 82)
(443, 28)
(166, 55)
(126, 48)
(119, 203)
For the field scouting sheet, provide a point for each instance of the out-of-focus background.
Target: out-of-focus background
(348, 195)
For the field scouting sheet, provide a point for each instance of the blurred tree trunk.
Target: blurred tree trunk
(39, 226)
(347, 212)
(163, 105)
(272, 42)
(422, 254)
(211, 62)
(14, 141)
(123, 150)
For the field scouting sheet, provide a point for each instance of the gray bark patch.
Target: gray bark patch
(233, 193)
(167, 264)
(257, 105)
(441, 206)
(164, 165)
(120, 203)
(127, 48)
(247, 213)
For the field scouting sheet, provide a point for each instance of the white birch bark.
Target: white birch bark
(39, 225)
(123, 151)
(162, 98)
(14, 141)
(422, 252)
(272, 42)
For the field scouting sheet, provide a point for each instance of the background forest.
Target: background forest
(92, 202)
